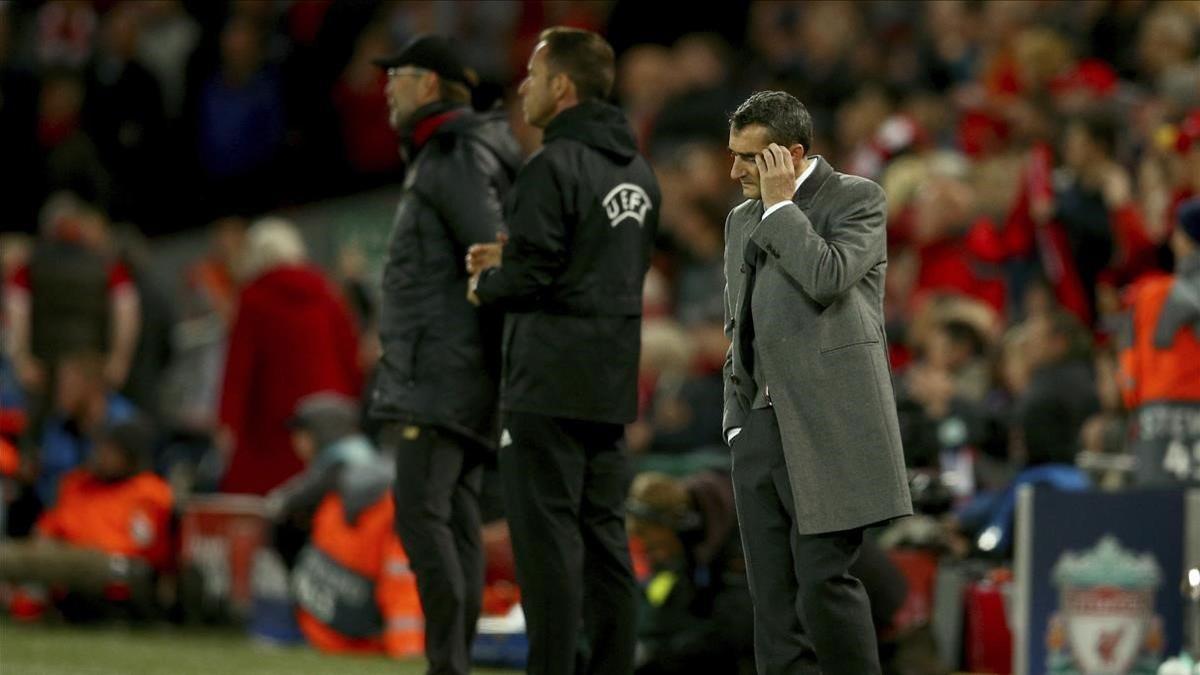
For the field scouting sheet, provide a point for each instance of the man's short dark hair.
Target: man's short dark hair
(584, 56)
(964, 333)
(786, 119)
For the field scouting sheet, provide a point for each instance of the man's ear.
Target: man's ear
(560, 86)
(797, 151)
(431, 82)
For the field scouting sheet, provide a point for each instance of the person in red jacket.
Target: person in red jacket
(293, 335)
(110, 529)
(1160, 363)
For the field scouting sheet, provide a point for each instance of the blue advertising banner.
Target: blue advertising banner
(1097, 581)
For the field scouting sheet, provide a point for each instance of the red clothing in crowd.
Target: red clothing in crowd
(1024, 238)
(128, 517)
(10, 460)
(293, 336)
(119, 279)
(968, 264)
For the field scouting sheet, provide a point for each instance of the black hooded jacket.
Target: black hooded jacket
(582, 218)
(440, 362)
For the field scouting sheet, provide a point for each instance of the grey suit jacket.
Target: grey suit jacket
(818, 325)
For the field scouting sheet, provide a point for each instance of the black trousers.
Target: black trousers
(810, 614)
(438, 479)
(565, 483)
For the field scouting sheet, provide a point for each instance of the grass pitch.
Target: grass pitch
(58, 649)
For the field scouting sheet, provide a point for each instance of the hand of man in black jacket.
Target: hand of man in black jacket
(483, 256)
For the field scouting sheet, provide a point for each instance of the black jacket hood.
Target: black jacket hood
(599, 125)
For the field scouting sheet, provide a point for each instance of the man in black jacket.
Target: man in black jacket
(582, 219)
(437, 382)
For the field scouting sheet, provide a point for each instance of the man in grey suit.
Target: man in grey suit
(810, 414)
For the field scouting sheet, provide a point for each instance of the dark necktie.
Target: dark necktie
(755, 257)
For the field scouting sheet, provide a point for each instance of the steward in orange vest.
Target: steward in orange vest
(352, 585)
(1160, 363)
(110, 529)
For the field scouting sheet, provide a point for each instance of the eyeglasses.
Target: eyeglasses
(410, 72)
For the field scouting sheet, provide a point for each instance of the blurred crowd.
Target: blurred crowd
(1034, 154)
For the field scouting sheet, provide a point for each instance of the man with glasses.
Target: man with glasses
(437, 381)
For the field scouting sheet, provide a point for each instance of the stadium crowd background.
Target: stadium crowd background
(1033, 153)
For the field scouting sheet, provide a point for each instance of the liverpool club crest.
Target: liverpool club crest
(1105, 624)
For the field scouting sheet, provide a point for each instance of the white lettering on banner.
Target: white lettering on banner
(1176, 423)
(210, 555)
(1181, 464)
(626, 201)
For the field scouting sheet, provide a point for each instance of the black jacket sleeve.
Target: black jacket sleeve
(466, 200)
(536, 252)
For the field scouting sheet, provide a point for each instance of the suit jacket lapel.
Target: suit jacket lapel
(811, 185)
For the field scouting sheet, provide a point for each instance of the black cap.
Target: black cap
(434, 53)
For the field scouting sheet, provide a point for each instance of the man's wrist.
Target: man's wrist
(775, 207)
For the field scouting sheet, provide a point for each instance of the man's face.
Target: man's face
(1046, 345)
(404, 94)
(537, 97)
(304, 444)
(1182, 246)
(1078, 149)
(74, 388)
(744, 145)
(108, 462)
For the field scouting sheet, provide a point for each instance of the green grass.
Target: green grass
(57, 649)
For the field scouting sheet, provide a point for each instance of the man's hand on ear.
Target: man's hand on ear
(776, 173)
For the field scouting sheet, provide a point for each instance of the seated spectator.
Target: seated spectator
(938, 398)
(1061, 394)
(681, 394)
(84, 405)
(354, 589)
(110, 528)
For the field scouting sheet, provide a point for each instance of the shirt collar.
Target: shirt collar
(812, 164)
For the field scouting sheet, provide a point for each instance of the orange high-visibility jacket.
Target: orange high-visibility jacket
(10, 460)
(1149, 372)
(353, 585)
(1160, 380)
(128, 517)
